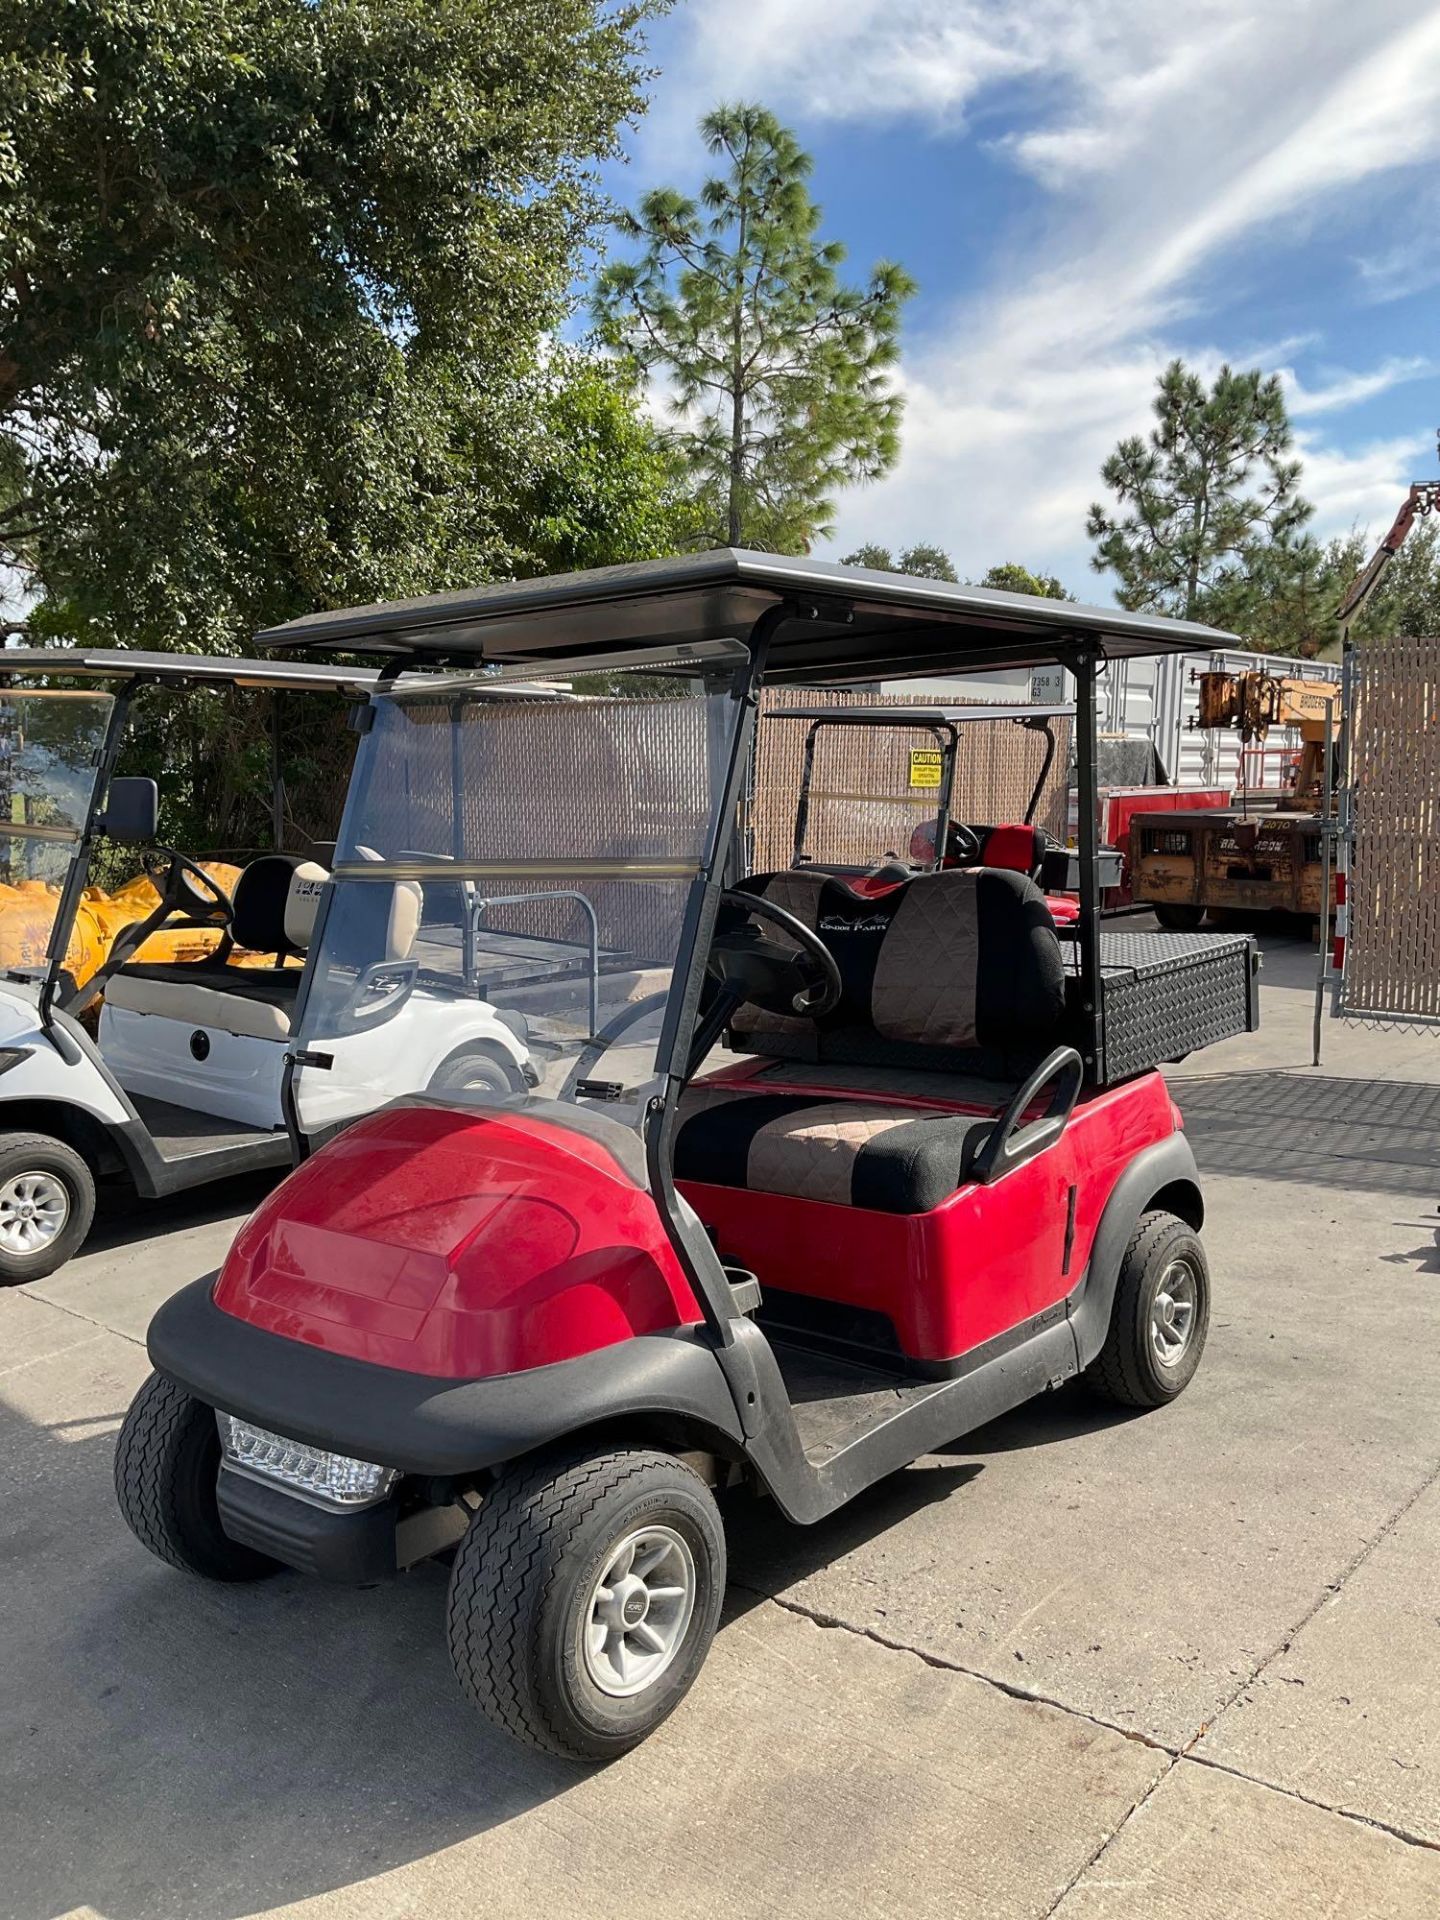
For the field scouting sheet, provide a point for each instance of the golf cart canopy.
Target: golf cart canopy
(184, 669)
(837, 624)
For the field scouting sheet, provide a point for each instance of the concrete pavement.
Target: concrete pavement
(1079, 1665)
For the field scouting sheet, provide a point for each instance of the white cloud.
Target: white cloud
(1341, 390)
(1169, 142)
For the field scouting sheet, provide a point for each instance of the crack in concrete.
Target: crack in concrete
(1328, 1592)
(1174, 1756)
(85, 1319)
(829, 1621)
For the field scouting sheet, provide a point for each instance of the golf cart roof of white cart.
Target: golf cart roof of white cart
(849, 624)
(191, 669)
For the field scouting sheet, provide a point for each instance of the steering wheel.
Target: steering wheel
(962, 845)
(185, 886)
(748, 967)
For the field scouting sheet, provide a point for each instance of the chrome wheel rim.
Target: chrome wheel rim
(1172, 1314)
(33, 1210)
(639, 1608)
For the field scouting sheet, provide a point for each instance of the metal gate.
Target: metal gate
(1390, 833)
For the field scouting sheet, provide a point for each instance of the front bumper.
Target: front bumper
(356, 1548)
(417, 1422)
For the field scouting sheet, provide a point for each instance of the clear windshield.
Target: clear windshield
(509, 891)
(50, 745)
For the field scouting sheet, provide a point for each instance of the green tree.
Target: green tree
(1009, 577)
(1211, 495)
(925, 562)
(779, 373)
(1291, 607)
(273, 277)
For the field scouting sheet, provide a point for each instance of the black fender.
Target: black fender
(1164, 1171)
(427, 1425)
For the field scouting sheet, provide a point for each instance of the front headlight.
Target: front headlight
(333, 1478)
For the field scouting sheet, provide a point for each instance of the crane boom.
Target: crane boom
(1423, 498)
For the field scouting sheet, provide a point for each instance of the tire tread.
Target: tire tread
(1115, 1371)
(494, 1596)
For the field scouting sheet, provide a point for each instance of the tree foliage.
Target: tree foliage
(923, 561)
(273, 279)
(779, 373)
(1211, 496)
(1291, 607)
(1010, 577)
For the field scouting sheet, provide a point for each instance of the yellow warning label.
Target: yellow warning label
(925, 765)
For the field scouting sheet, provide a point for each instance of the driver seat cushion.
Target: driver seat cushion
(849, 1152)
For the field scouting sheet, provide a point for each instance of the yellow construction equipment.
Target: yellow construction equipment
(1255, 701)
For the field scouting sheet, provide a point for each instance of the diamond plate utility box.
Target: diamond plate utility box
(1163, 995)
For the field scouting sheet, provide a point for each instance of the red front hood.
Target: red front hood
(459, 1244)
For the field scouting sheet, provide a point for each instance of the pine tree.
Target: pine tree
(1211, 493)
(779, 373)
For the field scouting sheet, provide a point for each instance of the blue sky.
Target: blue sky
(1084, 188)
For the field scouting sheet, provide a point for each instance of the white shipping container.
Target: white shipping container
(1154, 699)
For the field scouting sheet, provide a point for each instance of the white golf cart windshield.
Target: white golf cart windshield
(508, 896)
(50, 750)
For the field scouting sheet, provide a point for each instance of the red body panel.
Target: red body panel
(459, 1245)
(983, 1262)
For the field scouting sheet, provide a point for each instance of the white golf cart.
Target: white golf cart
(187, 1077)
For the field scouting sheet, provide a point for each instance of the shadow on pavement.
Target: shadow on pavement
(123, 1216)
(1382, 1135)
(170, 1748)
(768, 1554)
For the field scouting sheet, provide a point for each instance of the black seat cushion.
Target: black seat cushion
(857, 1153)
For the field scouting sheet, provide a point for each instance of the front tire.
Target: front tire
(1159, 1317)
(167, 1460)
(47, 1204)
(584, 1598)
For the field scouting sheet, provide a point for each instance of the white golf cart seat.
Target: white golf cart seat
(275, 902)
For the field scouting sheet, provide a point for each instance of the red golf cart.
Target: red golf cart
(815, 1178)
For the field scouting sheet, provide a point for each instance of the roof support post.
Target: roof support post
(1082, 664)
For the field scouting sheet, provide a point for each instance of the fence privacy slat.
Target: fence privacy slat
(1392, 956)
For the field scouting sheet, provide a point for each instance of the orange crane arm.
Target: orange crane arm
(1422, 498)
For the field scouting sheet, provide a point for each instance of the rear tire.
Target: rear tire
(167, 1460)
(542, 1645)
(47, 1204)
(1159, 1318)
(1177, 917)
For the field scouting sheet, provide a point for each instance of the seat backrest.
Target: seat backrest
(959, 969)
(1017, 847)
(261, 897)
(302, 903)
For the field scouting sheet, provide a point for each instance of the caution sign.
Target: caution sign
(925, 765)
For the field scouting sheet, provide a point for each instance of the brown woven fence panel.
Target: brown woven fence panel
(863, 804)
(1392, 958)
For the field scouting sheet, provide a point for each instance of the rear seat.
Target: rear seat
(952, 980)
